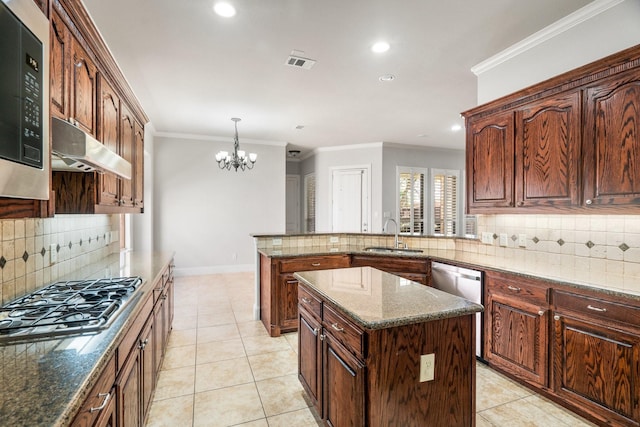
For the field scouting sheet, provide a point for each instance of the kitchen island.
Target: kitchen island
(377, 349)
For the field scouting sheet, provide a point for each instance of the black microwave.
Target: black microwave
(24, 113)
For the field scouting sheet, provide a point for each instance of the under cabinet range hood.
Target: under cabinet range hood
(74, 150)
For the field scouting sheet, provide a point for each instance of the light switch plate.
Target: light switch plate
(522, 240)
(277, 242)
(334, 239)
(53, 254)
(427, 367)
(504, 239)
(487, 238)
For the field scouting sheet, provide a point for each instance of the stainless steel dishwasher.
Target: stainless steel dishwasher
(464, 283)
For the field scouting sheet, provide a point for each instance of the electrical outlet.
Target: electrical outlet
(487, 238)
(427, 367)
(504, 239)
(522, 240)
(334, 239)
(53, 254)
(277, 242)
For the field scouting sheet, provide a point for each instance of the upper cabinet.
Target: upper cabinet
(569, 144)
(612, 142)
(89, 90)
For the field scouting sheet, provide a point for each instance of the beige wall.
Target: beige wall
(82, 240)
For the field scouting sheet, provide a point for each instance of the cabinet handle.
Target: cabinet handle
(588, 201)
(556, 317)
(541, 313)
(514, 288)
(106, 396)
(306, 300)
(520, 203)
(315, 264)
(336, 327)
(601, 310)
(315, 331)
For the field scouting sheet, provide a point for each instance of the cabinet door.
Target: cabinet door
(148, 370)
(612, 142)
(490, 150)
(138, 166)
(126, 151)
(343, 385)
(517, 337)
(160, 315)
(309, 357)
(108, 416)
(109, 124)
(129, 391)
(288, 305)
(596, 368)
(548, 152)
(60, 58)
(83, 89)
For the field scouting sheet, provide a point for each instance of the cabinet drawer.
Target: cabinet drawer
(131, 338)
(522, 288)
(309, 301)
(313, 263)
(597, 308)
(99, 397)
(391, 264)
(351, 336)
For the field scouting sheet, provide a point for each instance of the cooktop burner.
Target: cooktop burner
(77, 306)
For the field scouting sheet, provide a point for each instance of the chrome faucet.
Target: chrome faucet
(384, 230)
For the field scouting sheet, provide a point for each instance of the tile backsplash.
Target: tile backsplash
(26, 247)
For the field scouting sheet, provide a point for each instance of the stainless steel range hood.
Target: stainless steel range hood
(75, 150)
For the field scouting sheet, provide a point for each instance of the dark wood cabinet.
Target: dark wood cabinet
(109, 135)
(416, 269)
(310, 356)
(516, 327)
(149, 369)
(99, 406)
(612, 142)
(60, 65)
(84, 76)
(126, 151)
(128, 389)
(597, 357)
(279, 289)
(570, 144)
(343, 384)
(138, 165)
(548, 152)
(489, 155)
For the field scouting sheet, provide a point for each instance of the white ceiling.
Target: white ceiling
(193, 70)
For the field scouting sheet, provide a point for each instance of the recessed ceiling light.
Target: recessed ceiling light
(224, 9)
(386, 77)
(380, 47)
(456, 128)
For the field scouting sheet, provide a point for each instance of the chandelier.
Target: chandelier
(237, 159)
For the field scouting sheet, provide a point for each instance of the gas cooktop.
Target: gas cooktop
(78, 306)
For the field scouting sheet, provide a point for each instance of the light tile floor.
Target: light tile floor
(222, 369)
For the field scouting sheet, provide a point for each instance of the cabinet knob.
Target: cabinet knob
(520, 203)
(588, 201)
(306, 300)
(322, 337)
(541, 313)
(556, 317)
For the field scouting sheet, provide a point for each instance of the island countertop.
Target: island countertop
(376, 299)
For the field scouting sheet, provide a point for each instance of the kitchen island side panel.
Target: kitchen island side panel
(397, 397)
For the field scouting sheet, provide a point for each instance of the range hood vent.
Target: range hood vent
(76, 151)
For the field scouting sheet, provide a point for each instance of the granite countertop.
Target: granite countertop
(377, 300)
(45, 382)
(535, 265)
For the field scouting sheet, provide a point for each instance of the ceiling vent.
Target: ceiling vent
(295, 60)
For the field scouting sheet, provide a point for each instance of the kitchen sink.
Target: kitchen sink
(387, 250)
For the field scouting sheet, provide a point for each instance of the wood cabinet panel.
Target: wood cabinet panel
(138, 165)
(83, 88)
(596, 369)
(548, 152)
(149, 368)
(292, 265)
(309, 302)
(490, 168)
(344, 385)
(416, 269)
(109, 135)
(127, 135)
(310, 357)
(612, 142)
(350, 335)
(99, 400)
(128, 388)
(59, 67)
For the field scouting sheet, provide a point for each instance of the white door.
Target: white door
(350, 200)
(293, 204)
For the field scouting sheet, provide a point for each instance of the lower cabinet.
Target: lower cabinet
(123, 394)
(416, 269)
(310, 357)
(516, 326)
(597, 356)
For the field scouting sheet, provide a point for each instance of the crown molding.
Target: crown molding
(197, 137)
(583, 14)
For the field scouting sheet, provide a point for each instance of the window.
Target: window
(445, 202)
(411, 200)
(310, 203)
